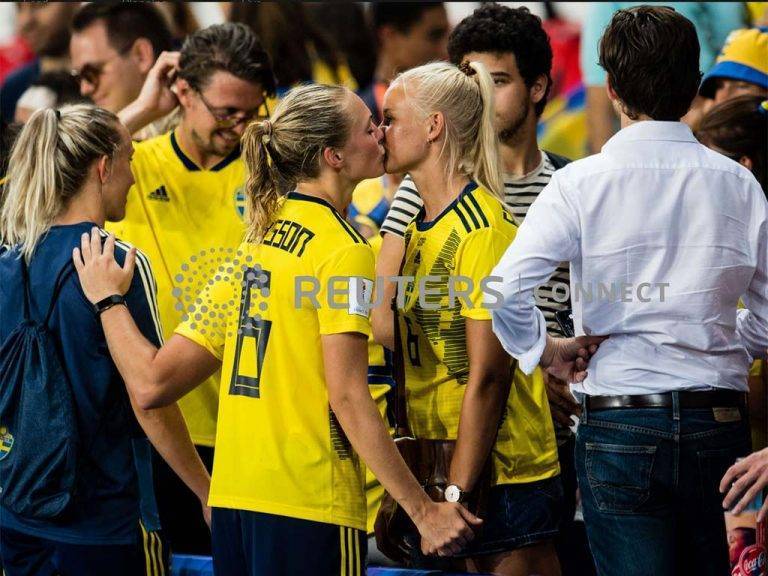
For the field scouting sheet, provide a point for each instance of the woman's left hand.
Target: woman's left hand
(100, 274)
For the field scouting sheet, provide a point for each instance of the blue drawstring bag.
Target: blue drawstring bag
(39, 441)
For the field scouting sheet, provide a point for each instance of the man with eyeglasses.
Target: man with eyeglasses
(185, 210)
(113, 47)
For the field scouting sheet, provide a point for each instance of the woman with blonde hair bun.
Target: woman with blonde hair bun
(439, 128)
(295, 412)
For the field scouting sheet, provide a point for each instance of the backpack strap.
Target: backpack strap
(557, 160)
(64, 273)
(25, 282)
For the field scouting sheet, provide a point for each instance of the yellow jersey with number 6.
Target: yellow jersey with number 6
(279, 447)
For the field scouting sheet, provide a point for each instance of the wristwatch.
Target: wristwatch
(454, 494)
(108, 302)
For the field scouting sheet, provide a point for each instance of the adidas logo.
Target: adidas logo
(159, 194)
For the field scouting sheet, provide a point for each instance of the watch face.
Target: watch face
(452, 493)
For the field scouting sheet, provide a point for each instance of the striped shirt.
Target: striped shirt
(519, 194)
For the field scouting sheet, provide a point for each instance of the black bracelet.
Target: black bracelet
(108, 302)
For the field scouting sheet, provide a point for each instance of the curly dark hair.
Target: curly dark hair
(499, 29)
(228, 47)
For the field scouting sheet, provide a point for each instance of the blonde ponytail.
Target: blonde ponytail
(486, 162)
(48, 165)
(263, 193)
(31, 191)
(465, 98)
(286, 149)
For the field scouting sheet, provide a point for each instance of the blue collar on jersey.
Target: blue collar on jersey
(348, 228)
(421, 226)
(306, 197)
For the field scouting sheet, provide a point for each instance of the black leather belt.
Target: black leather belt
(703, 399)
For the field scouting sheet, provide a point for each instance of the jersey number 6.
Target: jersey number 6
(252, 336)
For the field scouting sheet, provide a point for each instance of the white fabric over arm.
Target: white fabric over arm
(752, 321)
(549, 235)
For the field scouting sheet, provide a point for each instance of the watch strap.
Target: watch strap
(108, 302)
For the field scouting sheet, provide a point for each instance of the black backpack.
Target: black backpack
(39, 440)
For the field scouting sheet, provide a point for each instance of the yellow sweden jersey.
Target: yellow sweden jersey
(466, 240)
(279, 448)
(184, 219)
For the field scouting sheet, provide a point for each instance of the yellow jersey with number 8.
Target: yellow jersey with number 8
(462, 245)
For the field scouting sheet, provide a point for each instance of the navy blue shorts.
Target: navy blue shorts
(25, 555)
(265, 544)
(517, 515)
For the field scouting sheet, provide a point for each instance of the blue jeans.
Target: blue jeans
(649, 485)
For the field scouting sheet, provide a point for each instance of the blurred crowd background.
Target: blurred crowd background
(358, 44)
(52, 53)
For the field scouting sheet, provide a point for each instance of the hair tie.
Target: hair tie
(763, 108)
(467, 69)
(58, 113)
(267, 135)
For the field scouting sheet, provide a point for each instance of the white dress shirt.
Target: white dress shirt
(654, 207)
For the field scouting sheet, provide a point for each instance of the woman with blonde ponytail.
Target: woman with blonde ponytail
(69, 171)
(287, 322)
(439, 128)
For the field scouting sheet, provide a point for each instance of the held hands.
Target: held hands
(567, 358)
(100, 274)
(746, 479)
(445, 528)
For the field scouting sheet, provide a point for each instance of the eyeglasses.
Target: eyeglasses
(92, 72)
(231, 117)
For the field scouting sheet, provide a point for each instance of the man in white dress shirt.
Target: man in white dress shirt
(664, 237)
